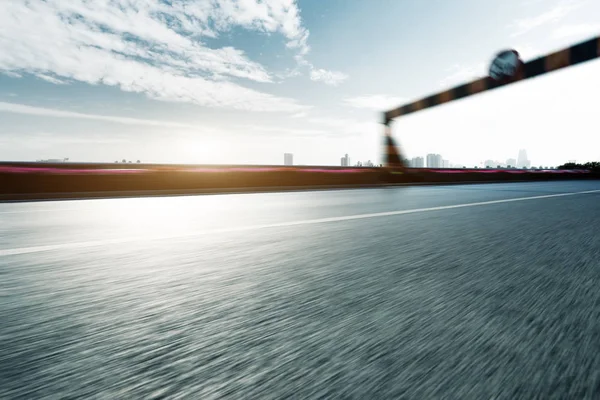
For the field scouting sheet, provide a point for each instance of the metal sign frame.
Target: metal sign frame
(570, 56)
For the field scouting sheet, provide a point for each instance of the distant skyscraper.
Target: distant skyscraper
(445, 164)
(417, 162)
(434, 161)
(288, 159)
(511, 162)
(345, 161)
(522, 160)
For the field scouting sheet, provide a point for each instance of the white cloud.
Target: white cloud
(39, 139)
(459, 74)
(180, 128)
(50, 112)
(332, 78)
(11, 74)
(377, 102)
(284, 16)
(554, 15)
(150, 47)
(50, 79)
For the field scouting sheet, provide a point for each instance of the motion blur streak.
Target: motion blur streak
(499, 301)
(336, 170)
(26, 250)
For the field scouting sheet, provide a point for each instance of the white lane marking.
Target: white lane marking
(469, 186)
(93, 243)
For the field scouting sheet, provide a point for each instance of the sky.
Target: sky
(244, 81)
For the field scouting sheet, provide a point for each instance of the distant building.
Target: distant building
(522, 160)
(434, 161)
(345, 161)
(511, 162)
(288, 159)
(445, 164)
(496, 164)
(54, 160)
(417, 162)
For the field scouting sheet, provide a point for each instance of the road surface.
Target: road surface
(474, 291)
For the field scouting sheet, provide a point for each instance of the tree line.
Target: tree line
(592, 166)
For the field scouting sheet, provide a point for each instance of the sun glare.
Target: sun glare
(200, 151)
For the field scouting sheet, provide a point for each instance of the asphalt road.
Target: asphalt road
(474, 291)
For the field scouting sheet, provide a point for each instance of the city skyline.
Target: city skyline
(433, 160)
(415, 162)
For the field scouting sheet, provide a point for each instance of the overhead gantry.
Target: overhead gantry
(506, 68)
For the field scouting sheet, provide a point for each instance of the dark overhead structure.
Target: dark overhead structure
(505, 69)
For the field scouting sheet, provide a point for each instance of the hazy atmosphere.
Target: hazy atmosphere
(237, 199)
(245, 82)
